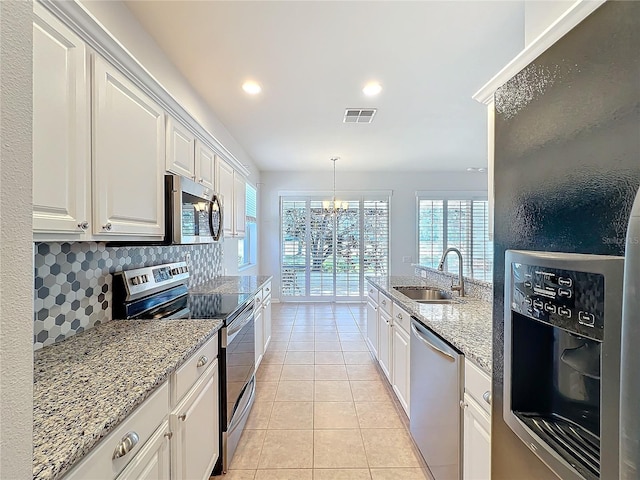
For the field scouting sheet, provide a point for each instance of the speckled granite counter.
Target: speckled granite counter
(235, 284)
(466, 325)
(86, 385)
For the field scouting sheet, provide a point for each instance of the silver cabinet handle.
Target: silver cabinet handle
(127, 443)
(463, 404)
(487, 397)
(202, 361)
(84, 225)
(182, 417)
(107, 227)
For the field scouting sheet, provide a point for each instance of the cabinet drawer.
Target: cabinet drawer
(401, 317)
(373, 294)
(477, 384)
(385, 303)
(100, 464)
(184, 378)
(266, 291)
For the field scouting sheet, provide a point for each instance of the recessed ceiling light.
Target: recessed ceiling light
(371, 89)
(251, 87)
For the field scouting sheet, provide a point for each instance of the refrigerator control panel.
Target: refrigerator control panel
(571, 300)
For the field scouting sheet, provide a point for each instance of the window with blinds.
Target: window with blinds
(327, 253)
(248, 246)
(463, 224)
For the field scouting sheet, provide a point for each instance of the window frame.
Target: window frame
(250, 241)
(452, 195)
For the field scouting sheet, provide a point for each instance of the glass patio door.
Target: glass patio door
(323, 255)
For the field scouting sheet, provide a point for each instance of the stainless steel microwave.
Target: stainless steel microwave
(193, 212)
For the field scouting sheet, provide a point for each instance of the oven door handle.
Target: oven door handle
(233, 331)
(238, 417)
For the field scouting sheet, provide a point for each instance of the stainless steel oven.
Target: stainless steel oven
(562, 359)
(193, 212)
(238, 383)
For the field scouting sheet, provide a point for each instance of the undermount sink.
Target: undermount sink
(426, 294)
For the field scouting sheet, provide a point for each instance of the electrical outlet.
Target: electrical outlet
(423, 274)
(187, 257)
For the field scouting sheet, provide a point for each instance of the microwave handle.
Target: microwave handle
(216, 235)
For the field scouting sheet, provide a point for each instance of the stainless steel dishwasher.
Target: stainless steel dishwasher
(436, 391)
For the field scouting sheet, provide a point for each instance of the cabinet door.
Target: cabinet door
(61, 136)
(195, 426)
(385, 343)
(266, 320)
(224, 179)
(181, 145)
(128, 162)
(372, 327)
(477, 442)
(240, 200)
(205, 165)
(259, 332)
(400, 364)
(152, 462)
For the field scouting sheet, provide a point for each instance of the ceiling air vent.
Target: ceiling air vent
(359, 115)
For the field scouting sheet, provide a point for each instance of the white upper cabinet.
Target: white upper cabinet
(181, 144)
(129, 154)
(232, 186)
(205, 165)
(61, 136)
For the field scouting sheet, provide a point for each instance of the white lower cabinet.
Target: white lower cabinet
(266, 317)
(477, 442)
(385, 344)
(477, 423)
(158, 443)
(259, 332)
(195, 425)
(400, 365)
(153, 461)
(372, 326)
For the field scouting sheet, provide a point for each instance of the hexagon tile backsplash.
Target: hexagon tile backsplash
(73, 281)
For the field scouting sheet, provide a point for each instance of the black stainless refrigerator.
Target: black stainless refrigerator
(630, 367)
(567, 171)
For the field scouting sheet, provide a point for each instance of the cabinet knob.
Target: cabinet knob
(127, 443)
(84, 225)
(107, 227)
(168, 435)
(203, 361)
(182, 417)
(487, 397)
(399, 316)
(463, 404)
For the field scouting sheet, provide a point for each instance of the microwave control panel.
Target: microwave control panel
(571, 300)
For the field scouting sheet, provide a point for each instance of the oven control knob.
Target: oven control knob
(527, 284)
(538, 304)
(550, 307)
(175, 271)
(528, 300)
(135, 280)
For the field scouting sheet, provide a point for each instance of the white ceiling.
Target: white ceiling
(313, 59)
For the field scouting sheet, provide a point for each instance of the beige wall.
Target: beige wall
(16, 248)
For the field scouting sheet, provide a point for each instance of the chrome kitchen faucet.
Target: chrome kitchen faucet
(460, 287)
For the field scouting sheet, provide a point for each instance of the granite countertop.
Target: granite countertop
(232, 284)
(86, 385)
(466, 325)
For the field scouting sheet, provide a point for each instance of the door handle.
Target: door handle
(419, 336)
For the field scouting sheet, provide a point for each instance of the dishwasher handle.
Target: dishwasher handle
(420, 337)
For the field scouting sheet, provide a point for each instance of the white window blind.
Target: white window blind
(456, 223)
(251, 204)
(327, 253)
(247, 246)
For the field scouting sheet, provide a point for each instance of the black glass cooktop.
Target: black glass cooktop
(218, 305)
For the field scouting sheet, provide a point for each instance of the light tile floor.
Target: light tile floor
(323, 411)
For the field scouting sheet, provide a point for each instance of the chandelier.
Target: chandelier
(334, 206)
